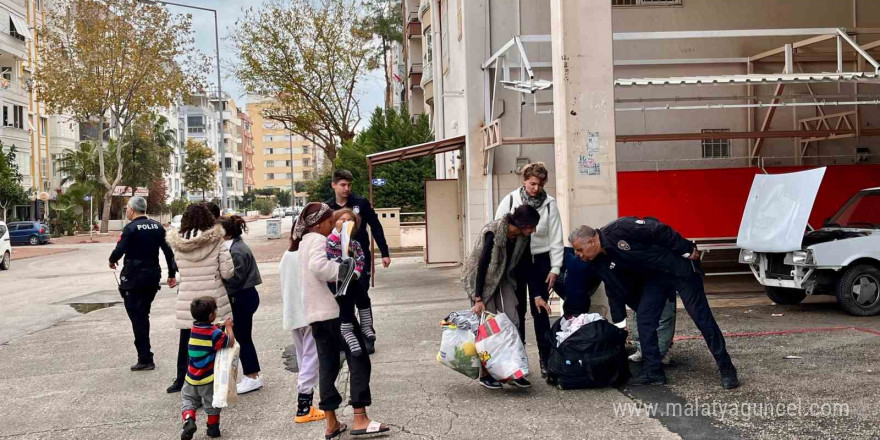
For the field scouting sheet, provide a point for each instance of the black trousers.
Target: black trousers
(363, 301)
(532, 274)
(355, 296)
(183, 354)
(693, 296)
(244, 304)
(329, 343)
(137, 303)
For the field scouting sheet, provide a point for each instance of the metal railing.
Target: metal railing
(419, 219)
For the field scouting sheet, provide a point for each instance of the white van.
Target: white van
(5, 247)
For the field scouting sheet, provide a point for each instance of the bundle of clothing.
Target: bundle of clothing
(570, 324)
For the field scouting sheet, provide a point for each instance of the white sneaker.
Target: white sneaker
(636, 357)
(247, 384)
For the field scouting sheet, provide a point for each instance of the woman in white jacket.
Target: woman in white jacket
(542, 262)
(203, 261)
(321, 312)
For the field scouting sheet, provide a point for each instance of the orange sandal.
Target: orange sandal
(314, 415)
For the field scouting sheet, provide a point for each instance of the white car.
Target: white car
(278, 213)
(842, 258)
(5, 247)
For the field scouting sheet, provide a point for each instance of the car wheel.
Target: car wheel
(34, 240)
(784, 296)
(858, 290)
(6, 261)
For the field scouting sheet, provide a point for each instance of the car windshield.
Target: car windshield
(861, 211)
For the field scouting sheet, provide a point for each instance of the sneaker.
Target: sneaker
(636, 357)
(214, 430)
(543, 370)
(175, 387)
(729, 380)
(189, 429)
(490, 383)
(143, 367)
(247, 384)
(644, 379)
(667, 358)
(521, 383)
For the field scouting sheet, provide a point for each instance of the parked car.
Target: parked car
(33, 233)
(842, 258)
(278, 213)
(175, 221)
(5, 247)
(288, 212)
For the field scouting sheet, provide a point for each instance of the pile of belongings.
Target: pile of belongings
(457, 347)
(590, 353)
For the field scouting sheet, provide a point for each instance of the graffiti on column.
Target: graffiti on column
(588, 165)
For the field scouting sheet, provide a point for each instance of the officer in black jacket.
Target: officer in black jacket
(343, 198)
(140, 243)
(643, 264)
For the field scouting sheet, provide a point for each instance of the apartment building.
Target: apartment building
(247, 139)
(199, 120)
(644, 107)
(280, 158)
(15, 35)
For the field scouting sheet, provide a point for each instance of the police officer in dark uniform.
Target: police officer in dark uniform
(643, 264)
(140, 243)
(344, 198)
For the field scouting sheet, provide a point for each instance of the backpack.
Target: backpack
(594, 356)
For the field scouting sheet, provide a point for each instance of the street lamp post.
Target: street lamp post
(223, 200)
(292, 176)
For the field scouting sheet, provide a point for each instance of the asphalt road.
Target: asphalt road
(65, 374)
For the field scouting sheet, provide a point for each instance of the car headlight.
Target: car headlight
(801, 257)
(747, 257)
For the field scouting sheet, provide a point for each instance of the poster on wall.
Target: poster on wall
(588, 164)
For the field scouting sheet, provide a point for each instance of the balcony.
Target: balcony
(413, 26)
(13, 45)
(428, 75)
(415, 75)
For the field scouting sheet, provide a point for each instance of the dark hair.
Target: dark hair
(215, 210)
(357, 219)
(197, 217)
(536, 169)
(202, 308)
(310, 209)
(342, 175)
(234, 225)
(523, 216)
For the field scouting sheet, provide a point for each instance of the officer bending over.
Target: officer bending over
(645, 256)
(139, 281)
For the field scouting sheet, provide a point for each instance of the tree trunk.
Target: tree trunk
(105, 213)
(388, 78)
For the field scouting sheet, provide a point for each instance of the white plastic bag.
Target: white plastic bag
(225, 377)
(458, 351)
(500, 349)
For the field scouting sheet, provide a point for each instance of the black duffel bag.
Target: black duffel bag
(592, 357)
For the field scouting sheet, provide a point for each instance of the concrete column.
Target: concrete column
(583, 112)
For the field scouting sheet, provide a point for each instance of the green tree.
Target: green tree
(11, 190)
(178, 206)
(319, 188)
(147, 151)
(389, 130)
(264, 205)
(384, 22)
(110, 62)
(199, 167)
(283, 197)
(307, 55)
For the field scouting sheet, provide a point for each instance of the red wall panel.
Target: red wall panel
(710, 202)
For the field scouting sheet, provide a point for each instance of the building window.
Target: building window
(307, 175)
(429, 51)
(44, 123)
(228, 161)
(287, 163)
(15, 32)
(6, 73)
(270, 163)
(645, 2)
(270, 176)
(195, 124)
(306, 162)
(306, 150)
(716, 148)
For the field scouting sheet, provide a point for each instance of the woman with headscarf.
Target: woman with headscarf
(321, 312)
(204, 262)
(542, 260)
(489, 273)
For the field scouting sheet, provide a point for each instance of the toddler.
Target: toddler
(348, 299)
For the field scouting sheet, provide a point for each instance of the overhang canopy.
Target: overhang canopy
(417, 151)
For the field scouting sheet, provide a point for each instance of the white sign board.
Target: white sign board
(125, 191)
(777, 211)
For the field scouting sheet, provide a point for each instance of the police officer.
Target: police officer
(343, 198)
(139, 281)
(643, 264)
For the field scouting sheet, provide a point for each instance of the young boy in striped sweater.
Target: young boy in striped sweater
(198, 389)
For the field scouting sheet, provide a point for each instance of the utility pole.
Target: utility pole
(292, 176)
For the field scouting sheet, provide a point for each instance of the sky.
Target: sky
(369, 92)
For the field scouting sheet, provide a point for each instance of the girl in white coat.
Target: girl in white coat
(542, 261)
